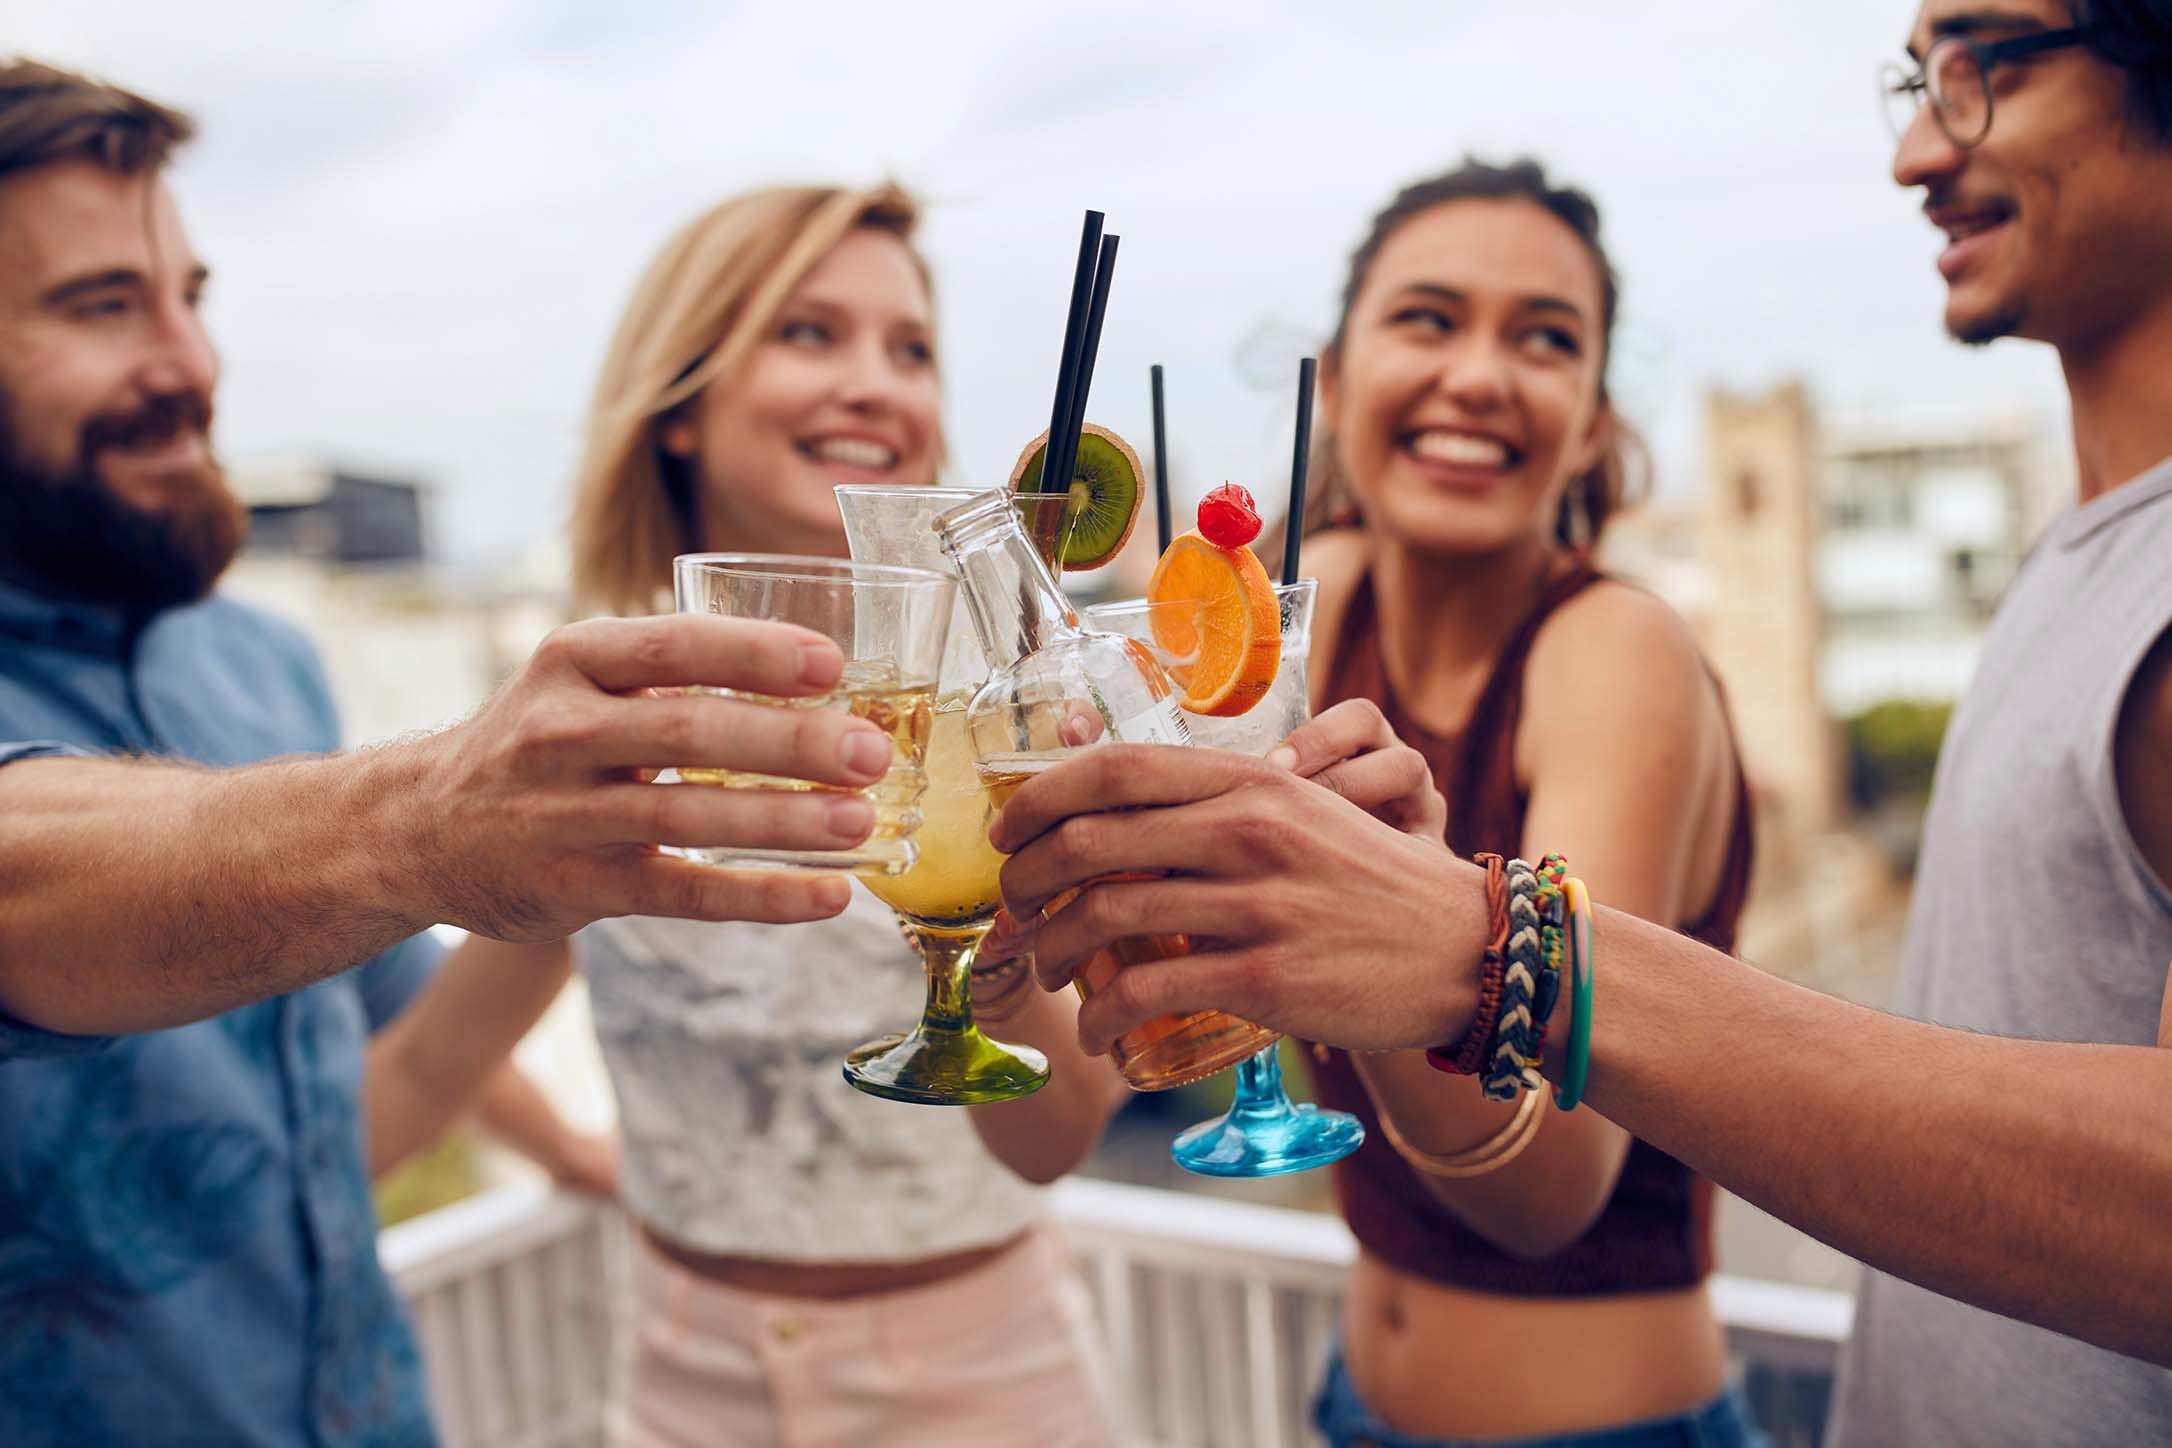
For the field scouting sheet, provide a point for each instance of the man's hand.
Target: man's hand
(1305, 913)
(533, 818)
(1352, 750)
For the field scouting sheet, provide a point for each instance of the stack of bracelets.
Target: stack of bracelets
(1541, 928)
(999, 991)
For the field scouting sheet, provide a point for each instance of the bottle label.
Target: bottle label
(1159, 723)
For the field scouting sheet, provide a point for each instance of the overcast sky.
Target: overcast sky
(424, 215)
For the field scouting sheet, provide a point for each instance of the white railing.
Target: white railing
(511, 1293)
(1217, 1316)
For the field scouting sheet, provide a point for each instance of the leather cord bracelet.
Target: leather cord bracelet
(1466, 1056)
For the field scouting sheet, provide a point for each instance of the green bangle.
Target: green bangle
(1580, 960)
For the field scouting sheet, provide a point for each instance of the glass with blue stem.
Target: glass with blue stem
(1263, 1133)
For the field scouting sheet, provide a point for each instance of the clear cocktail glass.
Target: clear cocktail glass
(1263, 1133)
(948, 899)
(892, 624)
(1056, 688)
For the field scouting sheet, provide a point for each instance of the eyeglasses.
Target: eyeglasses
(1954, 76)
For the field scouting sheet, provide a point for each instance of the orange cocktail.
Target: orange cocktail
(1171, 1050)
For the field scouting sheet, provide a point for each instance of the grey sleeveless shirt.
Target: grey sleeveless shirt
(2034, 915)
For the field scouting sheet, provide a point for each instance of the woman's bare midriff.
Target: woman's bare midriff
(773, 1278)
(1444, 1362)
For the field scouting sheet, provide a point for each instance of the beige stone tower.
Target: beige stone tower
(1758, 530)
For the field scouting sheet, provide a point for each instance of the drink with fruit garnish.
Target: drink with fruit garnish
(1264, 1133)
(1057, 688)
(1167, 1051)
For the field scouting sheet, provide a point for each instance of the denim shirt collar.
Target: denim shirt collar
(79, 626)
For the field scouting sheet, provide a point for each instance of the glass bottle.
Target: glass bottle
(1056, 688)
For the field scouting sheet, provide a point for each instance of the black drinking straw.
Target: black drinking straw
(1161, 463)
(1074, 335)
(1089, 349)
(1293, 528)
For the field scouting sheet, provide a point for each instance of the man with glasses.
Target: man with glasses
(2010, 1149)
(2040, 133)
(1954, 76)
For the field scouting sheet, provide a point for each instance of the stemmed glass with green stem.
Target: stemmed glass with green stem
(948, 900)
(1263, 1133)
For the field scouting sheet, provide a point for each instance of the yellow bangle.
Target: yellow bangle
(1490, 1155)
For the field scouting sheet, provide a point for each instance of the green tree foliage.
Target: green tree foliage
(1893, 751)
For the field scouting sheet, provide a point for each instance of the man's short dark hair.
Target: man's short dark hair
(48, 114)
(2135, 36)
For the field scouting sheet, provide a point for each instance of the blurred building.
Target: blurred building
(1922, 529)
(1758, 532)
(1831, 565)
(1847, 563)
(344, 555)
(299, 508)
(1655, 543)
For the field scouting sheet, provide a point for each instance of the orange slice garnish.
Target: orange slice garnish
(1212, 610)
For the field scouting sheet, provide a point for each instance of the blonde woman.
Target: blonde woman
(812, 1266)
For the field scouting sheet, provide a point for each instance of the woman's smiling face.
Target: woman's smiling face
(1465, 391)
(842, 389)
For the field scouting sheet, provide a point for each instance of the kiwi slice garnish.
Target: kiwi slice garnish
(1106, 486)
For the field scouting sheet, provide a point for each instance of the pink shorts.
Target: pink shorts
(1001, 1355)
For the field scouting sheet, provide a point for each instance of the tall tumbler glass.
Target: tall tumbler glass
(891, 624)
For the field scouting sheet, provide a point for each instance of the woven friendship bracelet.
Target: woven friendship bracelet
(1512, 1068)
(1477, 1046)
(1465, 1057)
(1553, 873)
(1514, 1060)
(1553, 954)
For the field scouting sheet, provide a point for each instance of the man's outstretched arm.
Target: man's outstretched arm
(141, 894)
(2031, 1178)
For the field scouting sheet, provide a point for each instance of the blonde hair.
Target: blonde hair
(701, 306)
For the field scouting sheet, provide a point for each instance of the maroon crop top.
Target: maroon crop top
(1655, 1233)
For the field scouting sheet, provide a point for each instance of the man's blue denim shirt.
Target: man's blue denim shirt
(188, 1249)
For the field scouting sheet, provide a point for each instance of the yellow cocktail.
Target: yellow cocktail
(953, 887)
(949, 897)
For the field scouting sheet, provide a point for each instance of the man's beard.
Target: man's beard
(1984, 330)
(73, 534)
